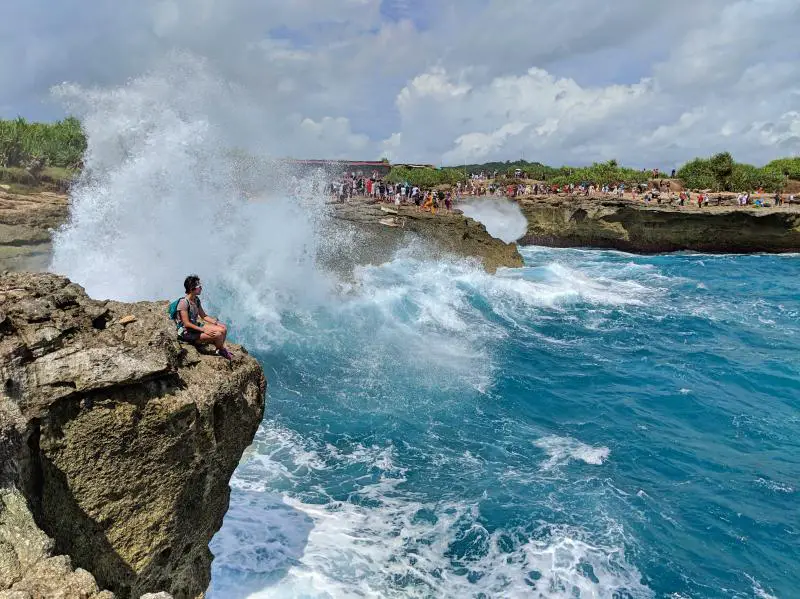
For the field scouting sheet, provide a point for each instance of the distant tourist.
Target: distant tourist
(192, 322)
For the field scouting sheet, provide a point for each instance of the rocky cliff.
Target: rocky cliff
(451, 233)
(637, 227)
(117, 444)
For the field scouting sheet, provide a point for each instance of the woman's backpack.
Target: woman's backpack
(172, 310)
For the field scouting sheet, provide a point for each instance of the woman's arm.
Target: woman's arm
(202, 314)
(187, 324)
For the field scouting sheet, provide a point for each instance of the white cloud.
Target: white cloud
(571, 81)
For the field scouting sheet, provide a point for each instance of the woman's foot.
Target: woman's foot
(225, 353)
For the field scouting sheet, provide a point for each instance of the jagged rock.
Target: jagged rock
(27, 568)
(451, 233)
(118, 440)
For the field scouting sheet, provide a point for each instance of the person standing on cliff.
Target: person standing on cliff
(194, 325)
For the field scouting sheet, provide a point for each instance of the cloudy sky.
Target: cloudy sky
(650, 83)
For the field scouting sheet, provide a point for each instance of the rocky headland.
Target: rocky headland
(634, 226)
(449, 233)
(117, 444)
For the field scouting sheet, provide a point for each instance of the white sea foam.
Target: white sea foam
(775, 486)
(399, 546)
(758, 590)
(562, 450)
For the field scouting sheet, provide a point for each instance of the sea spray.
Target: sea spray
(162, 195)
(501, 217)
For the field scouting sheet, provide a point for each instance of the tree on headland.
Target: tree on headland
(722, 173)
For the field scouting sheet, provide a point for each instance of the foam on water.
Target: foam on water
(384, 541)
(562, 450)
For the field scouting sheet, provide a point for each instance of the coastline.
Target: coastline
(27, 222)
(637, 227)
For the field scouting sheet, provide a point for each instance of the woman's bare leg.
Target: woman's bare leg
(219, 328)
(214, 338)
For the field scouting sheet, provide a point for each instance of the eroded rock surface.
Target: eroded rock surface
(451, 233)
(26, 222)
(116, 442)
(637, 227)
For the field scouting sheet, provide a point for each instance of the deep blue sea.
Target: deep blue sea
(595, 424)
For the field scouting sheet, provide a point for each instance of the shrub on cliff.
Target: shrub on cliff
(698, 174)
(425, 178)
(59, 144)
(722, 173)
(789, 167)
(600, 173)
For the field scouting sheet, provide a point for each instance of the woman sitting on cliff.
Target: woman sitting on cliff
(194, 325)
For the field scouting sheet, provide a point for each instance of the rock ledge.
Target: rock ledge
(117, 444)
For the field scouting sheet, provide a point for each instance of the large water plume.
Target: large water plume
(163, 194)
(501, 217)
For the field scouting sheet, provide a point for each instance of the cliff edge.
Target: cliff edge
(117, 444)
(451, 233)
(650, 228)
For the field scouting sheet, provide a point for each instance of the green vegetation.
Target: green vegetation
(600, 173)
(38, 145)
(425, 178)
(718, 173)
(788, 167)
(722, 173)
(532, 170)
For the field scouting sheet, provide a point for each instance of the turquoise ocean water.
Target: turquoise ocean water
(595, 424)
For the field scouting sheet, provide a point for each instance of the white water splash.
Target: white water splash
(162, 196)
(501, 217)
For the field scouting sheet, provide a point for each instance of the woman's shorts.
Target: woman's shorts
(189, 335)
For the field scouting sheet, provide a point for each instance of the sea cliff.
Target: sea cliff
(448, 233)
(648, 228)
(117, 444)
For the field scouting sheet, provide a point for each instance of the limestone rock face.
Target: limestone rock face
(633, 226)
(451, 233)
(118, 439)
(25, 224)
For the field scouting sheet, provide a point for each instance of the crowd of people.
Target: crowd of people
(661, 191)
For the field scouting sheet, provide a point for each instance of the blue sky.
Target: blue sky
(440, 81)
